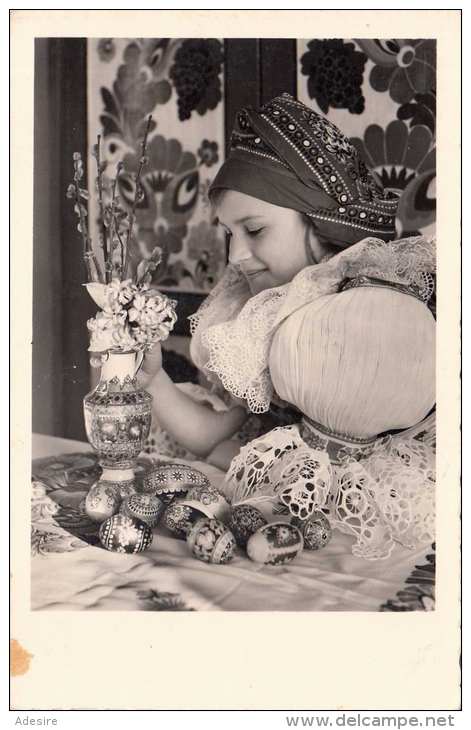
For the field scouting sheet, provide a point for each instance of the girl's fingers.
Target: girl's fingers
(150, 365)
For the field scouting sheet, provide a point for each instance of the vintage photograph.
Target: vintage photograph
(234, 324)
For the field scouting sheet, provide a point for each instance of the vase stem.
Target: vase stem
(117, 475)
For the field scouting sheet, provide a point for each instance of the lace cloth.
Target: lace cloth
(382, 492)
(232, 330)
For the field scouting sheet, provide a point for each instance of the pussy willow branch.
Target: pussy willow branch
(142, 162)
(87, 244)
(91, 264)
(113, 224)
(104, 237)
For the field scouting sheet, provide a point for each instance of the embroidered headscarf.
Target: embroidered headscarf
(286, 154)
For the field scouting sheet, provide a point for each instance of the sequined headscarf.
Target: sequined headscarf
(286, 154)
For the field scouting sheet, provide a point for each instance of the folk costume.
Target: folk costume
(349, 342)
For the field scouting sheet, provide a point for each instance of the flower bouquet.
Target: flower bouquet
(133, 317)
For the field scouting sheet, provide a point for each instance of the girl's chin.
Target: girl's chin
(260, 282)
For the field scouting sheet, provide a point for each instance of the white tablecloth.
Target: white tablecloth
(69, 573)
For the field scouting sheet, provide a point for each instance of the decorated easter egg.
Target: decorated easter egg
(208, 500)
(179, 518)
(275, 544)
(244, 521)
(123, 534)
(102, 501)
(145, 507)
(316, 530)
(210, 540)
(172, 480)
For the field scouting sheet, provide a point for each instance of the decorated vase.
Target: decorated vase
(118, 417)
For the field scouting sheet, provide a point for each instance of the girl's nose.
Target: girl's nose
(239, 250)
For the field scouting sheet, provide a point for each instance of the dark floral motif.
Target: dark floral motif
(162, 601)
(195, 74)
(106, 49)
(208, 153)
(404, 159)
(139, 86)
(68, 472)
(169, 192)
(77, 523)
(208, 250)
(419, 593)
(405, 67)
(335, 75)
(421, 110)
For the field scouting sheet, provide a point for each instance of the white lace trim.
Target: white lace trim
(232, 331)
(381, 499)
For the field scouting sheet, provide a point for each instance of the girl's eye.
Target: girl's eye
(255, 231)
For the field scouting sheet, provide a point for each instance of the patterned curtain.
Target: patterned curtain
(382, 93)
(179, 82)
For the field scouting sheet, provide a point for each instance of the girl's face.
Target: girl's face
(266, 242)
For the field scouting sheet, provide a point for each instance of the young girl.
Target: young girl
(319, 309)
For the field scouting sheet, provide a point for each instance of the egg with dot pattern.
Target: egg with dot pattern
(244, 521)
(123, 534)
(211, 541)
(145, 507)
(316, 530)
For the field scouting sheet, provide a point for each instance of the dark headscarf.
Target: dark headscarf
(286, 154)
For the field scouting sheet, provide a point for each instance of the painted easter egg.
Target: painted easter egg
(316, 530)
(275, 544)
(244, 521)
(179, 518)
(170, 480)
(102, 501)
(145, 507)
(210, 540)
(208, 500)
(123, 534)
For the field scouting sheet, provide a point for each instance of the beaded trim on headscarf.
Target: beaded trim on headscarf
(289, 133)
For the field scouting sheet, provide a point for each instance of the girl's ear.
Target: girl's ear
(319, 248)
(312, 243)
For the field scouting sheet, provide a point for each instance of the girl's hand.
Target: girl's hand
(151, 365)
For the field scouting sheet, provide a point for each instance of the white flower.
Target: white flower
(102, 328)
(123, 339)
(118, 294)
(139, 304)
(132, 316)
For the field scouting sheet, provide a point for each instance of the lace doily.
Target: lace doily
(383, 497)
(232, 331)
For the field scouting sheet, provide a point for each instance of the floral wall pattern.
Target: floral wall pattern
(382, 93)
(379, 91)
(179, 82)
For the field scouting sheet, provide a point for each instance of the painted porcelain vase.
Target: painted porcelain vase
(118, 416)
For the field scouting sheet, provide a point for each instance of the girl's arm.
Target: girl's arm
(194, 425)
